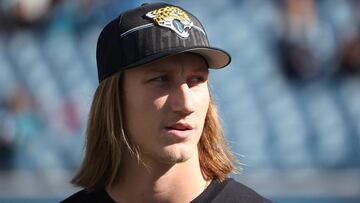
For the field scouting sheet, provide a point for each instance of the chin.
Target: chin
(175, 156)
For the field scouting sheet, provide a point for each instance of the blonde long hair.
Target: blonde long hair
(106, 141)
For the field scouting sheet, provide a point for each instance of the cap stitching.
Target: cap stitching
(199, 29)
(151, 25)
(137, 28)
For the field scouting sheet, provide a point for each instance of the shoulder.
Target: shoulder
(229, 191)
(81, 196)
(88, 197)
(236, 192)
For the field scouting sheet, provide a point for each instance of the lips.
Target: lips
(179, 130)
(180, 126)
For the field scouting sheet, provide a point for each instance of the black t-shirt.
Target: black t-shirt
(228, 191)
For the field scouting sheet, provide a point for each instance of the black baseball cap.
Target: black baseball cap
(150, 32)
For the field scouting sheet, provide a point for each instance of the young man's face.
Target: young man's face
(165, 107)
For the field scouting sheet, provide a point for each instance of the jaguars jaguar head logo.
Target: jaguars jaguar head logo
(173, 18)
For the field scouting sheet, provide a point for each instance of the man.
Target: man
(153, 133)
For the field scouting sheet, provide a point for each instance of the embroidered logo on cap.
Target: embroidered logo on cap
(173, 18)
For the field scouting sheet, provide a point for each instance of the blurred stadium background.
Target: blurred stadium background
(289, 101)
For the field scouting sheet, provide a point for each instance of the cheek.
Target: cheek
(134, 104)
(133, 107)
(202, 101)
(141, 113)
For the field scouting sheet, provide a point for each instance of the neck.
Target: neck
(159, 182)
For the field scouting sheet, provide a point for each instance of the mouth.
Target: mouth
(179, 130)
(180, 127)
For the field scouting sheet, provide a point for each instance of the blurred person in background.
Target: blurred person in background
(306, 44)
(26, 12)
(153, 132)
(350, 47)
(7, 139)
(20, 13)
(20, 126)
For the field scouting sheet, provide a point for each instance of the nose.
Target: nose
(182, 100)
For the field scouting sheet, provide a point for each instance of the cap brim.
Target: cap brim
(215, 57)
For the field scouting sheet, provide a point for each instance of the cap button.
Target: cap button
(144, 4)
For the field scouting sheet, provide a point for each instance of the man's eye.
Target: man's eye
(161, 78)
(197, 80)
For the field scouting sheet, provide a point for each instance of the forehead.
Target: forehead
(186, 61)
